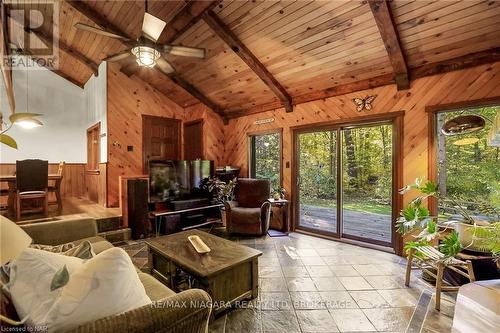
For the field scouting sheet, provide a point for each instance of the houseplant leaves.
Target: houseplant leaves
(8, 140)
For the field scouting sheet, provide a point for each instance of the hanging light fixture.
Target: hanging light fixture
(146, 56)
(26, 119)
(463, 124)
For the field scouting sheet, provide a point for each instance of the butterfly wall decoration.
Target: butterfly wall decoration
(364, 103)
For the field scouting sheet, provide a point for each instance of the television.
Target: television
(177, 179)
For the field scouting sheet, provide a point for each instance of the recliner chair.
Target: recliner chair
(249, 213)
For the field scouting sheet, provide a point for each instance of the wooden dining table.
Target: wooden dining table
(11, 181)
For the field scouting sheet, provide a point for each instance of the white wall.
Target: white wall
(96, 104)
(67, 112)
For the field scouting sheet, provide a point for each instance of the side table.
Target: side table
(283, 206)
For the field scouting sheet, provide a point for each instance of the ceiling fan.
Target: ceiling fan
(145, 49)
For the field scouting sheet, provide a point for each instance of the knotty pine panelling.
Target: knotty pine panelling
(465, 85)
(128, 99)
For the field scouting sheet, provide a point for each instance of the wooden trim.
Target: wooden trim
(397, 121)
(470, 60)
(466, 61)
(433, 110)
(388, 32)
(96, 126)
(185, 19)
(490, 101)
(223, 31)
(375, 82)
(373, 118)
(397, 180)
(249, 150)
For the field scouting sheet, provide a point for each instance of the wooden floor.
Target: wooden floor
(72, 207)
(361, 224)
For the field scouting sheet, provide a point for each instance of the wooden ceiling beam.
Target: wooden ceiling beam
(387, 28)
(223, 31)
(466, 61)
(103, 23)
(98, 19)
(185, 19)
(378, 81)
(47, 39)
(195, 93)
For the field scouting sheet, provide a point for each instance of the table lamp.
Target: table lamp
(13, 241)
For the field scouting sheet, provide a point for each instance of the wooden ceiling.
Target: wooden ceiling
(263, 54)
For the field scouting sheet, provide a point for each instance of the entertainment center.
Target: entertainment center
(171, 199)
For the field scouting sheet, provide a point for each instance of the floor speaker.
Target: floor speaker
(137, 208)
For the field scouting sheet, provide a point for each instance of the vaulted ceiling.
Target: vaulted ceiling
(263, 54)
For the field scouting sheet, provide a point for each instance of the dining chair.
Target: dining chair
(56, 186)
(32, 178)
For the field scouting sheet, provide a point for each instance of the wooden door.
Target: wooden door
(193, 140)
(160, 139)
(93, 158)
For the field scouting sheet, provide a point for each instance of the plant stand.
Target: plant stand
(427, 258)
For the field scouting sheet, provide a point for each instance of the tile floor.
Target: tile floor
(309, 284)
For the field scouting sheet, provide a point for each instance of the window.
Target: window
(265, 158)
(468, 166)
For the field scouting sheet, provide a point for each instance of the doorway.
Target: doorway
(93, 159)
(161, 139)
(347, 180)
(193, 140)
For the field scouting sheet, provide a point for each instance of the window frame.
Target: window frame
(433, 111)
(251, 150)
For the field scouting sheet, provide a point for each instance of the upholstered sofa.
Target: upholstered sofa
(167, 318)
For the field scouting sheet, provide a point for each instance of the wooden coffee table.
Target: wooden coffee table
(229, 272)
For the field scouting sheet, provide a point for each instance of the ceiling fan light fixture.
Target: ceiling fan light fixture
(463, 124)
(146, 56)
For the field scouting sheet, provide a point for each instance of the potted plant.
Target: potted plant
(467, 230)
(221, 192)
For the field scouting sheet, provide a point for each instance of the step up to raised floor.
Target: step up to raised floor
(105, 224)
(117, 236)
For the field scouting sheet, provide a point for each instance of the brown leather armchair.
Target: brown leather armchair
(250, 211)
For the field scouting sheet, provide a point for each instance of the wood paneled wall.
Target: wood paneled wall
(213, 132)
(73, 184)
(128, 99)
(465, 85)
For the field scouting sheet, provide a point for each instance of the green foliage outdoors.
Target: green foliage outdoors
(267, 158)
(472, 171)
(367, 165)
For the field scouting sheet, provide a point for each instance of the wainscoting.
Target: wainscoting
(75, 182)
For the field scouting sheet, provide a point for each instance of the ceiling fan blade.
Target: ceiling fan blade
(152, 26)
(184, 51)
(99, 31)
(164, 66)
(118, 56)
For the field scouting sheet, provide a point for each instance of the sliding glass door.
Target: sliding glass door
(318, 181)
(345, 182)
(367, 183)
